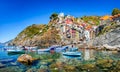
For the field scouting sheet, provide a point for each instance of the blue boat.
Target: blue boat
(72, 57)
(49, 48)
(55, 48)
(61, 49)
(74, 54)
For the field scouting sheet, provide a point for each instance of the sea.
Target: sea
(9, 63)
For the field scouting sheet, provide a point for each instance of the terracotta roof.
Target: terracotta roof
(118, 14)
(111, 16)
(115, 15)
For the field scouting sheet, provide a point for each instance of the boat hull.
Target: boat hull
(14, 52)
(73, 54)
(44, 50)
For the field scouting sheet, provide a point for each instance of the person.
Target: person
(72, 45)
(52, 50)
(23, 47)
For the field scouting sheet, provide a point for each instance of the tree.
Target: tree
(115, 11)
(54, 16)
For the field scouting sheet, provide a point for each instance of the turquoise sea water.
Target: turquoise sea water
(8, 63)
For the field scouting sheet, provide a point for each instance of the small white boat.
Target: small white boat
(17, 51)
(44, 50)
(74, 54)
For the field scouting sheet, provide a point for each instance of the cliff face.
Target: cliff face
(37, 35)
(111, 38)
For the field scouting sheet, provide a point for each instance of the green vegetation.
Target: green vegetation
(115, 11)
(54, 16)
(34, 29)
(41, 35)
(91, 19)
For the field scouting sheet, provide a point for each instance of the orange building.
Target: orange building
(116, 18)
(107, 17)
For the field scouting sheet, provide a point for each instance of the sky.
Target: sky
(16, 15)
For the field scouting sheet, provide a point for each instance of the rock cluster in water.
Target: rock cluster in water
(27, 59)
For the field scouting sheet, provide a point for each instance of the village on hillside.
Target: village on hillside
(76, 30)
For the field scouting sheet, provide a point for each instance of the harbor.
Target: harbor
(88, 59)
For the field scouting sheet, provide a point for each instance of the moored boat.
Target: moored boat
(59, 49)
(74, 54)
(49, 48)
(44, 50)
(15, 51)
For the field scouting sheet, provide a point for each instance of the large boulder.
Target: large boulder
(25, 58)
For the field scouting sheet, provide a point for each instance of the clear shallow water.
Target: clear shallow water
(8, 63)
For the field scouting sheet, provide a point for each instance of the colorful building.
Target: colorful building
(116, 18)
(105, 19)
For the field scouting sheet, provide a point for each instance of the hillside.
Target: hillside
(40, 35)
(110, 35)
(91, 19)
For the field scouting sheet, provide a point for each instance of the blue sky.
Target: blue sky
(16, 15)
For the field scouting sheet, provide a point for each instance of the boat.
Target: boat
(49, 48)
(73, 49)
(15, 51)
(72, 57)
(74, 54)
(54, 47)
(59, 49)
(44, 50)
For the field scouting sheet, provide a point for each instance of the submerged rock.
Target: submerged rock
(117, 66)
(104, 64)
(69, 68)
(57, 67)
(88, 67)
(29, 70)
(2, 65)
(42, 70)
(103, 61)
(11, 69)
(27, 59)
